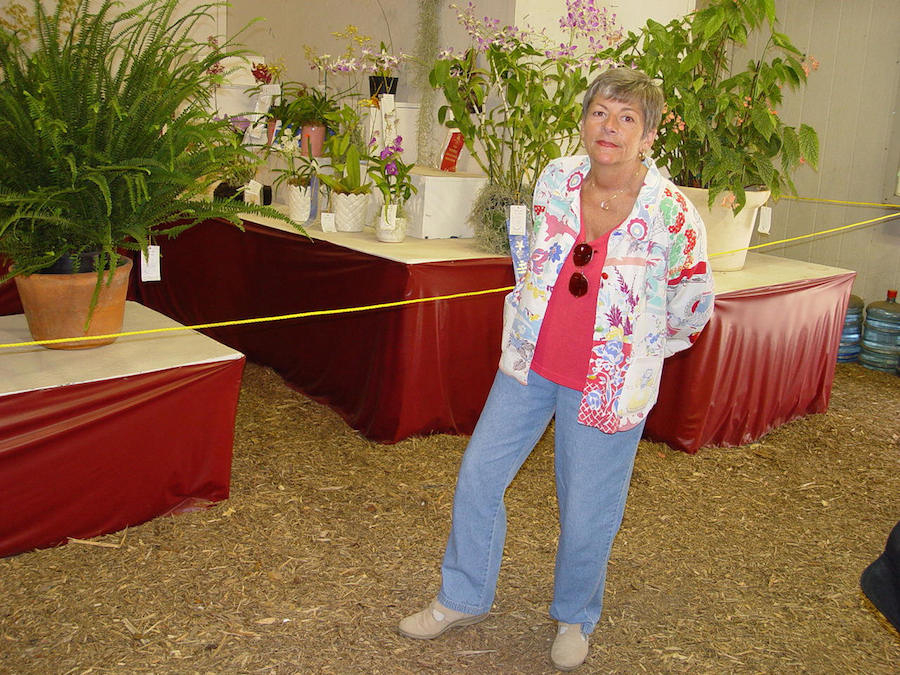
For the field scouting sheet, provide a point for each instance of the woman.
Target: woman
(617, 280)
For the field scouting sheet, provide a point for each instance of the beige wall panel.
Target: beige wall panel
(851, 101)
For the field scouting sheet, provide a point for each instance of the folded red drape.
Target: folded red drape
(390, 373)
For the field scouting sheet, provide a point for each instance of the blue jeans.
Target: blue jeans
(593, 471)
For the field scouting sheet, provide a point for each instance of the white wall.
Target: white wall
(629, 15)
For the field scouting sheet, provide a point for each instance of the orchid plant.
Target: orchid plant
(358, 58)
(265, 73)
(516, 97)
(347, 151)
(299, 169)
(390, 173)
(523, 106)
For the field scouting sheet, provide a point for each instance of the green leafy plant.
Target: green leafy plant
(104, 135)
(721, 129)
(310, 106)
(346, 152)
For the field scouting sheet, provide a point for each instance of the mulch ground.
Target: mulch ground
(734, 560)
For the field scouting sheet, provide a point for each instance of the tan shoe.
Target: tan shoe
(434, 620)
(570, 647)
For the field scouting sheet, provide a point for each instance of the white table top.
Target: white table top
(36, 367)
(759, 270)
(768, 270)
(411, 251)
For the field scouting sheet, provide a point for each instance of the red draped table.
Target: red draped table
(391, 373)
(92, 441)
(766, 357)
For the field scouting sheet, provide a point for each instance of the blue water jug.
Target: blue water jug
(848, 350)
(881, 335)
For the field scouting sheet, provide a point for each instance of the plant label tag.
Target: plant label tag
(517, 219)
(328, 222)
(765, 219)
(253, 192)
(150, 264)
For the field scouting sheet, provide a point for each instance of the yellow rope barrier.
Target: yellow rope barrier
(263, 319)
(807, 236)
(398, 303)
(880, 205)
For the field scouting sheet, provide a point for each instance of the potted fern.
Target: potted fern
(721, 136)
(105, 141)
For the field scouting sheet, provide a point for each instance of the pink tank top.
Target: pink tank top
(563, 350)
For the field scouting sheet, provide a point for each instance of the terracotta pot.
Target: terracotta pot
(726, 232)
(57, 306)
(312, 137)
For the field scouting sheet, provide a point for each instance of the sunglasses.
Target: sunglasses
(581, 256)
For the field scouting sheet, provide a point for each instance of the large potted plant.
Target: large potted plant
(721, 136)
(105, 141)
(516, 99)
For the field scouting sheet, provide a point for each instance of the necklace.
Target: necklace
(604, 203)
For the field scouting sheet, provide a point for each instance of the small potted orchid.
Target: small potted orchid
(298, 169)
(266, 79)
(381, 65)
(390, 174)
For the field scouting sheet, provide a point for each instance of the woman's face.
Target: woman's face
(613, 132)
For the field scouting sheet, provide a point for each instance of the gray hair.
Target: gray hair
(628, 85)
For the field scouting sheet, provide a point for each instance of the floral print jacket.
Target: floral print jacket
(656, 300)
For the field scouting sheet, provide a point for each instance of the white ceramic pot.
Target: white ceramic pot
(725, 231)
(390, 226)
(349, 212)
(299, 200)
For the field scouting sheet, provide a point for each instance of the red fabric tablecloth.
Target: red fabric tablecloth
(767, 356)
(87, 459)
(390, 373)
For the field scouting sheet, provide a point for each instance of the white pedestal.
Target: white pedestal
(440, 209)
(407, 115)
